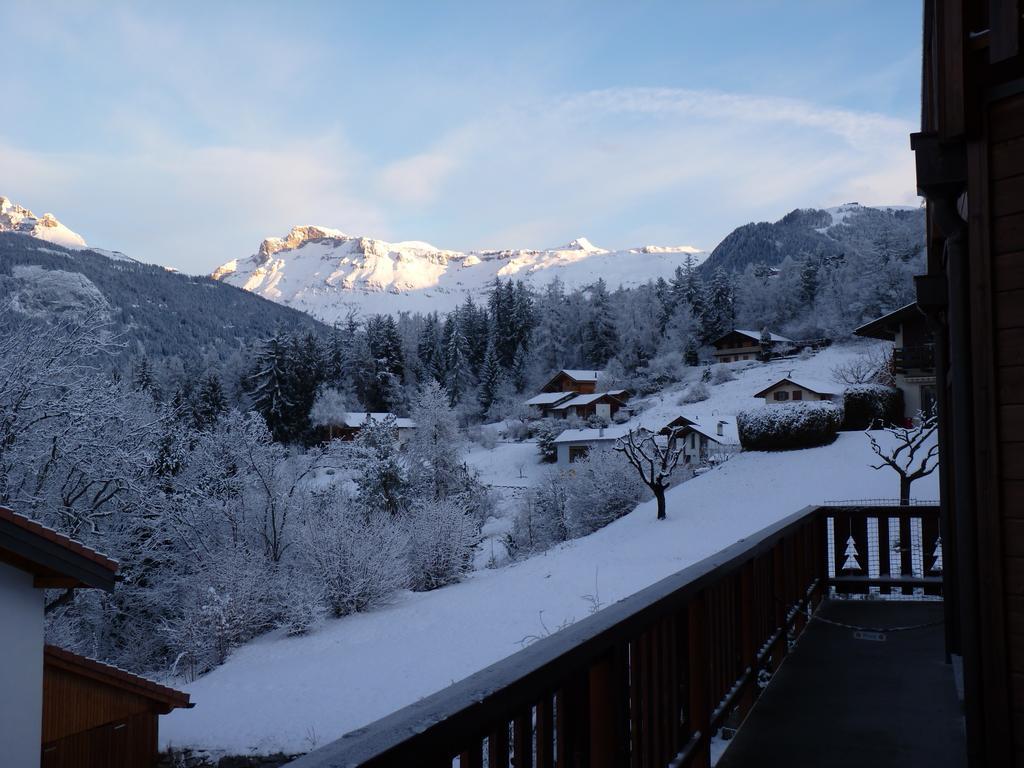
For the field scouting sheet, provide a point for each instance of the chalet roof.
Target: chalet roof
(357, 419)
(53, 558)
(730, 435)
(592, 435)
(582, 375)
(755, 335)
(549, 398)
(885, 327)
(811, 385)
(579, 400)
(166, 698)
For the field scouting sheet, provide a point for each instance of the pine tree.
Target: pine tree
(269, 386)
(459, 377)
(490, 377)
(143, 379)
(601, 339)
(210, 402)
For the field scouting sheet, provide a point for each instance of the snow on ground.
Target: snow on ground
(292, 694)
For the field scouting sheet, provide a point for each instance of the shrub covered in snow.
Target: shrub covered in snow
(865, 405)
(788, 426)
(358, 561)
(442, 535)
(568, 504)
(721, 373)
(601, 488)
(694, 392)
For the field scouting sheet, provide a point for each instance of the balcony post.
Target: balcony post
(698, 679)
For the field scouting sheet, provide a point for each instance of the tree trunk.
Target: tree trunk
(904, 490)
(659, 494)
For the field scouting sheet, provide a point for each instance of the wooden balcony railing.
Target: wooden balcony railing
(918, 358)
(649, 679)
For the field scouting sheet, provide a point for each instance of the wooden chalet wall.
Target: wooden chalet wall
(972, 142)
(97, 716)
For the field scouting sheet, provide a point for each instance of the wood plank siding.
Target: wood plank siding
(1006, 204)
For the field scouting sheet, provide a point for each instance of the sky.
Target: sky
(184, 133)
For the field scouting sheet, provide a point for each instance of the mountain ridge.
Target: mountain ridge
(329, 273)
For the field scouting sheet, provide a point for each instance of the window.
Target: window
(726, 359)
(781, 395)
(798, 394)
(577, 452)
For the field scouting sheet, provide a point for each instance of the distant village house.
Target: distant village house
(346, 426)
(698, 443)
(788, 390)
(739, 344)
(583, 382)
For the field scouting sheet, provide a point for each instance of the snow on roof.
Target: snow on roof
(582, 400)
(581, 375)
(817, 386)
(884, 327)
(549, 398)
(757, 335)
(606, 435)
(730, 434)
(356, 419)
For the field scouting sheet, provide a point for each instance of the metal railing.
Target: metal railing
(649, 680)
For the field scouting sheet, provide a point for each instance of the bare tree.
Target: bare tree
(654, 457)
(872, 367)
(909, 457)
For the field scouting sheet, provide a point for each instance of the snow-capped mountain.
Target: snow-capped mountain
(328, 273)
(15, 218)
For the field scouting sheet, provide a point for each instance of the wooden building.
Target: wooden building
(913, 354)
(970, 169)
(32, 559)
(346, 426)
(604, 405)
(788, 390)
(583, 382)
(99, 716)
(738, 344)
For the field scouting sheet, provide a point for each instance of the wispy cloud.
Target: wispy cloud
(687, 164)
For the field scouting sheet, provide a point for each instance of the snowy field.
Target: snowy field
(292, 694)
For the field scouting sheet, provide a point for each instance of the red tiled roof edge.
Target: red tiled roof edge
(140, 685)
(60, 539)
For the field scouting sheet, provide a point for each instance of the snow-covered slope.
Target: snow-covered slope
(296, 693)
(15, 218)
(328, 273)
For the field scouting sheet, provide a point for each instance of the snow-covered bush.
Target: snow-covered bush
(788, 426)
(330, 407)
(357, 560)
(721, 373)
(694, 392)
(867, 405)
(661, 371)
(540, 522)
(601, 488)
(442, 535)
(488, 438)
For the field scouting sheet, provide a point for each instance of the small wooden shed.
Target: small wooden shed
(98, 715)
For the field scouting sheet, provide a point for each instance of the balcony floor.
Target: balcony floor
(839, 701)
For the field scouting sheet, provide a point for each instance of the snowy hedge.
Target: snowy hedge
(866, 404)
(788, 426)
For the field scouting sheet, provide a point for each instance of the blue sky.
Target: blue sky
(184, 133)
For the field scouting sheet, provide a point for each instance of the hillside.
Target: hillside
(352, 671)
(328, 273)
(820, 233)
(160, 313)
(348, 672)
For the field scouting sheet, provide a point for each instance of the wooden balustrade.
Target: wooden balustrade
(649, 679)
